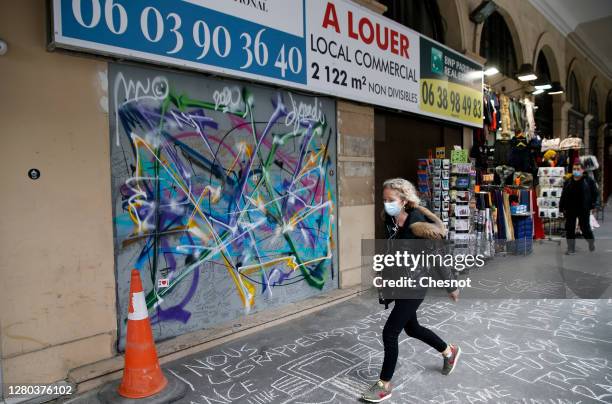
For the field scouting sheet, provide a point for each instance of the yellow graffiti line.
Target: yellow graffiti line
(313, 161)
(251, 269)
(189, 195)
(237, 281)
(241, 148)
(132, 212)
(241, 284)
(216, 195)
(249, 150)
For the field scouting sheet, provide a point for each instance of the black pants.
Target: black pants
(570, 227)
(404, 317)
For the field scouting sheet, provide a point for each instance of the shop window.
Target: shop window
(421, 15)
(544, 114)
(496, 44)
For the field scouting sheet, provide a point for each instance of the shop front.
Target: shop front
(224, 196)
(223, 190)
(222, 151)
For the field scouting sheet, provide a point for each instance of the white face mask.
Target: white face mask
(393, 208)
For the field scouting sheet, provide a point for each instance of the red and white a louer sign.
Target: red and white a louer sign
(364, 29)
(357, 54)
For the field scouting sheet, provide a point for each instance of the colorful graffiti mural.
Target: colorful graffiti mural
(224, 196)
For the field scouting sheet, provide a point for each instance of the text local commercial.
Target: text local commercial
(337, 51)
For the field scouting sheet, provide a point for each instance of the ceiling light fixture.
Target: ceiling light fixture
(490, 71)
(526, 73)
(543, 86)
(556, 88)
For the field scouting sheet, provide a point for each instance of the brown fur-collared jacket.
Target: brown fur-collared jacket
(433, 229)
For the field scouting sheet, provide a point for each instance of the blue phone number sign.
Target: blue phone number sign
(181, 33)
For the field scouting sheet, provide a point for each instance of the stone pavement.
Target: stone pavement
(526, 338)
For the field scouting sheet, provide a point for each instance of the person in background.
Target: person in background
(578, 198)
(405, 219)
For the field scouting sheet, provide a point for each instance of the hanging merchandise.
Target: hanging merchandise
(551, 186)
(523, 178)
(491, 109)
(504, 173)
(521, 157)
(506, 123)
(485, 237)
(538, 223)
(502, 151)
(571, 143)
(517, 115)
(551, 144)
(509, 218)
(433, 186)
(447, 189)
(462, 179)
(549, 159)
(424, 180)
(535, 150)
(589, 162)
(529, 113)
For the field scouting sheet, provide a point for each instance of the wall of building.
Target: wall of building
(58, 288)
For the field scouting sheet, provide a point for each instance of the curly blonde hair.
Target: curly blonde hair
(406, 190)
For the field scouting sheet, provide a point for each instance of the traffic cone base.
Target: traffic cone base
(142, 375)
(132, 378)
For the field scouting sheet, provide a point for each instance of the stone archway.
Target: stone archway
(519, 49)
(545, 45)
(451, 12)
(583, 86)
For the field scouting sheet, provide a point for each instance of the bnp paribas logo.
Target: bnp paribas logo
(437, 61)
(261, 5)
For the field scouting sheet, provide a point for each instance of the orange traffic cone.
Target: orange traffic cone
(142, 376)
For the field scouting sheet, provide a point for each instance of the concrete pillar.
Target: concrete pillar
(355, 187)
(587, 132)
(560, 110)
(600, 154)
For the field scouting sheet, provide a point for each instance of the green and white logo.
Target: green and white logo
(437, 61)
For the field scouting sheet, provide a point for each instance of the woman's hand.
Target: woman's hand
(454, 295)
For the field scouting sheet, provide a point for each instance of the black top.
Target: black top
(404, 232)
(579, 196)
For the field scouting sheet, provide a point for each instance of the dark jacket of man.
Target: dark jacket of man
(579, 196)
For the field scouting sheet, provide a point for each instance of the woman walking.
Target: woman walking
(405, 219)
